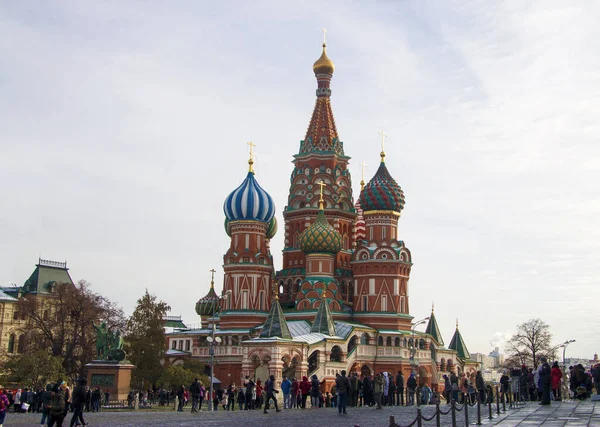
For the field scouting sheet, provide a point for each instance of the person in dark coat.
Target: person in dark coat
(545, 381)
(270, 394)
(77, 400)
(180, 396)
(195, 391)
(400, 388)
(57, 406)
(480, 385)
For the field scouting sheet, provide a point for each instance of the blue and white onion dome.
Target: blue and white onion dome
(249, 202)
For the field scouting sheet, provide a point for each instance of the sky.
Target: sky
(123, 127)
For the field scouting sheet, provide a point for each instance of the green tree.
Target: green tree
(529, 344)
(146, 340)
(176, 376)
(33, 369)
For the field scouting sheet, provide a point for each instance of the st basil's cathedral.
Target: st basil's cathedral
(341, 299)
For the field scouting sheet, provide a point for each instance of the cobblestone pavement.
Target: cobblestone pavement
(569, 414)
(564, 414)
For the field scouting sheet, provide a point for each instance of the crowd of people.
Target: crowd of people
(54, 403)
(543, 384)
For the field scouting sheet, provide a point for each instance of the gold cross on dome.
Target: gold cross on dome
(324, 35)
(363, 165)
(383, 136)
(322, 184)
(212, 277)
(251, 145)
(251, 160)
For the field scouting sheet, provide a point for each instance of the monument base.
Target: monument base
(112, 377)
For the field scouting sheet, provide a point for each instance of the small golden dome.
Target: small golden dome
(323, 64)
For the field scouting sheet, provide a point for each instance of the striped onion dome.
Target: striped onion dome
(382, 193)
(321, 237)
(209, 304)
(272, 228)
(249, 202)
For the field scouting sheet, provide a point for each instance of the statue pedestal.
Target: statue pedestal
(110, 376)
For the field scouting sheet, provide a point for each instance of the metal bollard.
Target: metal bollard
(478, 409)
(392, 421)
(419, 418)
(497, 401)
(438, 420)
(490, 408)
(453, 412)
(466, 406)
(503, 402)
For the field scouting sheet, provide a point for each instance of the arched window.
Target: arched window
(21, 344)
(404, 343)
(410, 343)
(380, 341)
(422, 344)
(336, 354)
(11, 343)
(364, 339)
(352, 344)
(388, 341)
(397, 342)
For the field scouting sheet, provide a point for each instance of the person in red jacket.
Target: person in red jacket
(304, 389)
(555, 377)
(295, 391)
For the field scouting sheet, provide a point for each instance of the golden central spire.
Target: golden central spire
(251, 160)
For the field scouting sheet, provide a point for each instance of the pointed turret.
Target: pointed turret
(458, 344)
(323, 322)
(275, 326)
(433, 329)
(322, 135)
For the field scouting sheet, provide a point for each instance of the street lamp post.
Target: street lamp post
(212, 341)
(413, 351)
(565, 344)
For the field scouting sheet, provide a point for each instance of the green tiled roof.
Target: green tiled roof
(323, 322)
(458, 344)
(275, 325)
(174, 324)
(434, 330)
(47, 273)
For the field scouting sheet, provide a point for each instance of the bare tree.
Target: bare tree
(61, 323)
(532, 341)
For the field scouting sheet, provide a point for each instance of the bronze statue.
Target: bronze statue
(109, 345)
